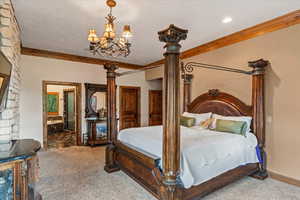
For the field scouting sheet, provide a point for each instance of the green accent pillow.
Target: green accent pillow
(187, 121)
(230, 126)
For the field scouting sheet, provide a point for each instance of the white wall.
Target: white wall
(37, 69)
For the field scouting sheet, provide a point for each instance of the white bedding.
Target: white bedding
(204, 153)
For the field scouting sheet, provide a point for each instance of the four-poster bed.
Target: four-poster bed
(144, 167)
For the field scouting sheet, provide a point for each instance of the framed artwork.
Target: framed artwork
(52, 103)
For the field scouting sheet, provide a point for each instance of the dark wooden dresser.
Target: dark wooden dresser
(19, 167)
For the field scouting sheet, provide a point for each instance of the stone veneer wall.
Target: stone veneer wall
(10, 45)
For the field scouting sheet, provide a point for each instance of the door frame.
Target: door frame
(120, 104)
(150, 104)
(78, 100)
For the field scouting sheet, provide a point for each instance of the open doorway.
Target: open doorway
(61, 114)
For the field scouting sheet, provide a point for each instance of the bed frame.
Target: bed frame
(143, 167)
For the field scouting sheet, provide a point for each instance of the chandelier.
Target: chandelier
(108, 44)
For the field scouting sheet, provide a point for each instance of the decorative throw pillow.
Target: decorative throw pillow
(246, 119)
(206, 124)
(231, 126)
(198, 117)
(187, 121)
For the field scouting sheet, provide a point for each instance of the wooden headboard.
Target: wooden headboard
(220, 103)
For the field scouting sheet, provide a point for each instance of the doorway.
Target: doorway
(61, 114)
(130, 109)
(155, 107)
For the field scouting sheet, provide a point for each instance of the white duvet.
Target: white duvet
(204, 153)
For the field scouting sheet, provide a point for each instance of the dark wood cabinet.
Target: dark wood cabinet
(97, 131)
(55, 124)
(55, 128)
(19, 168)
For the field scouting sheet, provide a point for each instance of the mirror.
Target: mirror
(98, 103)
(5, 70)
(95, 100)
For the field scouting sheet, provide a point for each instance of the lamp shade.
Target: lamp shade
(127, 32)
(92, 37)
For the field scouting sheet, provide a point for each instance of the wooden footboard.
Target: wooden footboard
(139, 165)
(196, 192)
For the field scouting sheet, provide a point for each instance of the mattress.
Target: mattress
(205, 154)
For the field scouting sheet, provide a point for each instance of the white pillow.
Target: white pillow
(199, 117)
(246, 119)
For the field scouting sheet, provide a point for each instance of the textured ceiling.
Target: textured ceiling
(62, 25)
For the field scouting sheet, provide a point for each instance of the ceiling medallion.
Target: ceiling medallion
(108, 44)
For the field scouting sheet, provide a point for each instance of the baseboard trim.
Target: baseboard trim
(285, 179)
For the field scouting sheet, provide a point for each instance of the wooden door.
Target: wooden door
(155, 107)
(129, 107)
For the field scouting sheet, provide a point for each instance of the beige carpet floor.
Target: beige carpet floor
(76, 173)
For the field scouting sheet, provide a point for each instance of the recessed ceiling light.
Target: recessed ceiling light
(226, 20)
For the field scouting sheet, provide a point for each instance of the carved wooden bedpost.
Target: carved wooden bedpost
(187, 88)
(258, 103)
(110, 164)
(171, 111)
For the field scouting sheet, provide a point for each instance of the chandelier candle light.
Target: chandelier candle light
(108, 44)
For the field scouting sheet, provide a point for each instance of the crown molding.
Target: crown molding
(74, 58)
(278, 23)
